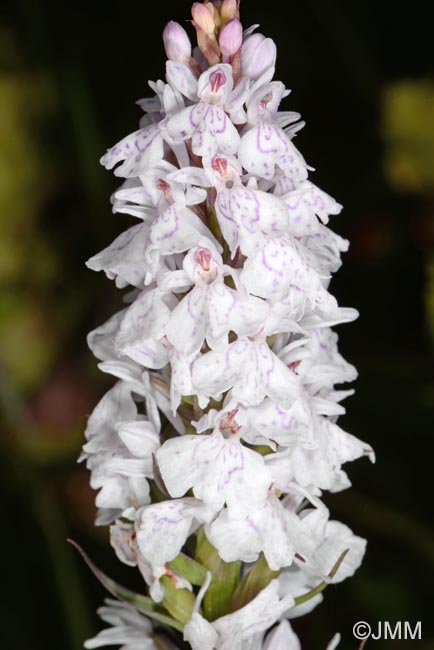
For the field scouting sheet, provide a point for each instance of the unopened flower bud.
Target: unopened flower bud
(208, 45)
(229, 10)
(176, 42)
(231, 37)
(204, 17)
(258, 55)
(214, 8)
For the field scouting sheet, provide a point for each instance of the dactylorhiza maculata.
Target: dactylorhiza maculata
(212, 450)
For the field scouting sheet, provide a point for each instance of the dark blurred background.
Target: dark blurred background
(69, 75)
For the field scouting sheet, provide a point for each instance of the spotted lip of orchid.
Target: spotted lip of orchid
(212, 450)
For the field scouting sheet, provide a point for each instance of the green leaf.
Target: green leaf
(188, 569)
(225, 576)
(253, 583)
(142, 603)
(317, 590)
(178, 602)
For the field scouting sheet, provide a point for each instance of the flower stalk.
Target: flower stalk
(211, 451)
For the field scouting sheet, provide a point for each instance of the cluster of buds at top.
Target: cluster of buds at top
(212, 450)
(218, 29)
(219, 34)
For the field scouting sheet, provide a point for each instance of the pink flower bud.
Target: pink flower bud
(229, 10)
(203, 17)
(258, 55)
(176, 42)
(207, 45)
(231, 37)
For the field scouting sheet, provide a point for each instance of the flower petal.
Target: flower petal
(186, 327)
(215, 132)
(200, 634)
(163, 528)
(257, 616)
(306, 202)
(220, 471)
(139, 437)
(244, 213)
(229, 312)
(176, 230)
(271, 528)
(265, 146)
(124, 260)
(250, 369)
(338, 538)
(139, 151)
(180, 76)
(282, 638)
(277, 269)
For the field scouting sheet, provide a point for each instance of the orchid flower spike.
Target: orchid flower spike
(213, 447)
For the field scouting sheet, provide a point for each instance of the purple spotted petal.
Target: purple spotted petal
(139, 151)
(266, 146)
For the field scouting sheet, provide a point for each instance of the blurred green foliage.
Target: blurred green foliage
(408, 127)
(69, 74)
